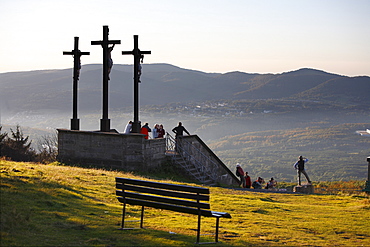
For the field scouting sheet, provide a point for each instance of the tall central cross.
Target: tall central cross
(107, 64)
(136, 126)
(76, 53)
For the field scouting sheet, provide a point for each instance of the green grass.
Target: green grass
(56, 205)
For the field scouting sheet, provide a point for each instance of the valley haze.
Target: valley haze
(263, 121)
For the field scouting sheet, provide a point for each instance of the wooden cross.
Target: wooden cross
(76, 53)
(136, 126)
(107, 64)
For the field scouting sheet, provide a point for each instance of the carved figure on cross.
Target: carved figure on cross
(78, 66)
(76, 54)
(141, 59)
(109, 59)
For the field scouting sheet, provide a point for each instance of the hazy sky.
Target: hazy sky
(254, 36)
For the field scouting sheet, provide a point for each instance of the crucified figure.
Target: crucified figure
(140, 67)
(109, 59)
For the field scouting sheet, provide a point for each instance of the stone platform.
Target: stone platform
(305, 189)
(130, 152)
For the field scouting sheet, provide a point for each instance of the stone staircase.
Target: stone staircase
(192, 169)
(198, 161)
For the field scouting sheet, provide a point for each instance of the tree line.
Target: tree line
(17, 147)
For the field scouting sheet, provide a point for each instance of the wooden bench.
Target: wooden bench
(178, 198)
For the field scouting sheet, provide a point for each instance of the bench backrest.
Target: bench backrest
(179, 198)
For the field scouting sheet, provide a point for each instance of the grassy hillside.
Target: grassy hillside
(54, 205)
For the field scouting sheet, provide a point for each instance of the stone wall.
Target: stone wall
(130, 152)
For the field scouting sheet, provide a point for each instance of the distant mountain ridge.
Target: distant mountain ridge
(165, 83)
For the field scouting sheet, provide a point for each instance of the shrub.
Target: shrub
(47, 147)
(17, 147)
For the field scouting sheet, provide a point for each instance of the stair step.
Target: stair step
(177, 157)
(208, 181)
(212, 185)
(196, 172)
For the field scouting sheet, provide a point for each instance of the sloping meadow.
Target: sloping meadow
(58, 205)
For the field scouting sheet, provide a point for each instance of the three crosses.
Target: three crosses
(107, 64)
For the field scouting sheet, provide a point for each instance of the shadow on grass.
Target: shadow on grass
(165, 171)
(36, 212)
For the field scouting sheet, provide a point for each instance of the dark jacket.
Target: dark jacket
(179, 131)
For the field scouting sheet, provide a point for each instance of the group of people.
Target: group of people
(245, 180)
(259, 184)
(157, 131)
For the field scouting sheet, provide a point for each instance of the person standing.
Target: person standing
(128, 127)
(179, 132)
(161, 131)
(299, 166)
(145, 130)
(248, 182)
(240, 173)
(155, 131)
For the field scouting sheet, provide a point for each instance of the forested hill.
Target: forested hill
(164, 83)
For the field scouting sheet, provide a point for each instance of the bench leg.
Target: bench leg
(198, 232)
(123, 216)
(216, 233)
(217, 224)
(142, 217)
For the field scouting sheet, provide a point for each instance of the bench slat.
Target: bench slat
(205, 213)
(162, 192)
(166, 200)
(177, 187)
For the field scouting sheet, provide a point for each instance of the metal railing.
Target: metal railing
(192, 159)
